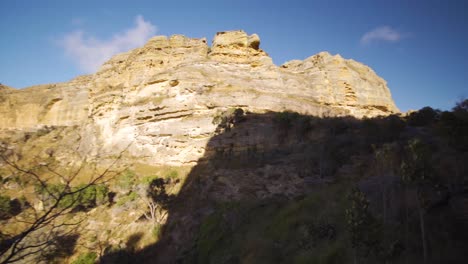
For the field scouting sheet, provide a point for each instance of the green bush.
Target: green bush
(454, 126)
(424, 117)
(5, 206)
(148, 179)
(101, 194)
(86, 258)
(173, 174)
(126, 180)
(51, 192)
(87, 196)
(156, 231)
(127, 198)
(363, 227)
(92, 195)
(286, 118)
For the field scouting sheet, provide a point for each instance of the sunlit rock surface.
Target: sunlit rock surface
(158, 102)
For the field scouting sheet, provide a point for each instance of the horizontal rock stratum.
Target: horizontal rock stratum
(161, 99)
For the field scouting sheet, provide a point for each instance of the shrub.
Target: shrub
(286, 118)
(5, 206)
(126, 180)
(148, 179)
(86, 258)
(364, 229)
(127, 198)
(173, 174)
(423, 117)
(228, 118)
(288, 121)
(92, 195)
(102, 193)
(49, 193)
(382, 129)
(88, 197)
(454, 126)
(461, 106)
(156, 231)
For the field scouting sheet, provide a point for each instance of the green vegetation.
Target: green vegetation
(86, 258)
(130, 197)
(364, 229)
(287, 118)
(148, 179)
(173, 175)
(92, 196)
(156, 232)
(423, 117)
(5, 206)
(306, 230)
(395, 181)
(307, 190)
(85, 196)
(226, 120)
(126, 180)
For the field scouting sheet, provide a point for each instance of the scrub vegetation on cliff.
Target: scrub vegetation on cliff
(306, 190)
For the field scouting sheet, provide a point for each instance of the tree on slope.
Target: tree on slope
(47, 226)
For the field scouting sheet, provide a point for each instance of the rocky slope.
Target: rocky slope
(238, 179)
(160, 100)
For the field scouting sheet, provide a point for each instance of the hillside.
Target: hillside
(180, 152)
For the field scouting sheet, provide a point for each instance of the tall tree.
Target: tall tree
(416, 173)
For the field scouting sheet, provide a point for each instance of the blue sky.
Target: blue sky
(419, 47)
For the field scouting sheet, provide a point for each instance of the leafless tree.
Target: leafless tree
(157, 199)
(40, 228)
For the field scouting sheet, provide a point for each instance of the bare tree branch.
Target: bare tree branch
(44, 226)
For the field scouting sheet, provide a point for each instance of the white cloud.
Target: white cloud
(384, 33)
(89, 52)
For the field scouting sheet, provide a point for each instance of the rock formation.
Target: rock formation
(161, 99)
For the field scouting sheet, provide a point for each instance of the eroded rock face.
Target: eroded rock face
(63, 104)
(159, 101)
(345, 83)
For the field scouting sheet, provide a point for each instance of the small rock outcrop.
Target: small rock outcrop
(161, 99)
(238, 47)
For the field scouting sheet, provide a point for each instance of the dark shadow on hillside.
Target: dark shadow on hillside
(258, 164)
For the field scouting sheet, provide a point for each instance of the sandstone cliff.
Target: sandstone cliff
(161, 99)
(207, 122)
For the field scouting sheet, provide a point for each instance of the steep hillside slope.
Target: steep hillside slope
(288, 188)
(181, 152)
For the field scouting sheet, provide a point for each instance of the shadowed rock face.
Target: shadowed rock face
(274, 185)
(161, 99)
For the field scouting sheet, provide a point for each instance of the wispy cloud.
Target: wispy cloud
(383, 33)
(89, 52)
(77, 21)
